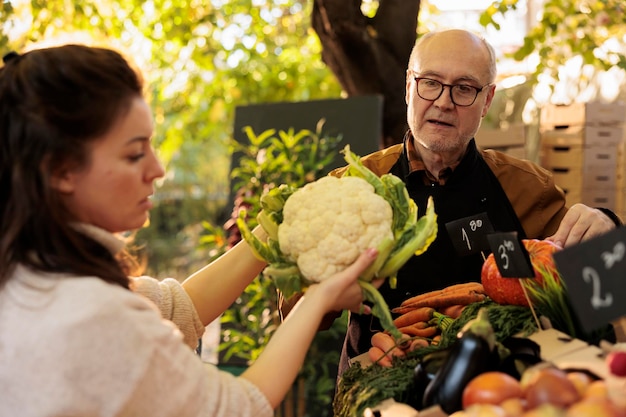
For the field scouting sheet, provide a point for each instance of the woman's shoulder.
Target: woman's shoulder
(65, 295)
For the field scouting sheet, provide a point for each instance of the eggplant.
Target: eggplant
(473, 353)
(423, 373)
(522, 353)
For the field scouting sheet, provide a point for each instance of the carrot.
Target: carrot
(420, 325)
(383, 341)
(421, 297)
(404, 342)
(453, 311)
(377, 355)
(436, 340)
(462, 297)
(469, 286)
(419, 331)
(417, 343)
(414, 316)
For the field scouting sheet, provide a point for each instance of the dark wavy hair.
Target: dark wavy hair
(53, 103)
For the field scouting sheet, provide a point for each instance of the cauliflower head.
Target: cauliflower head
(328, 223)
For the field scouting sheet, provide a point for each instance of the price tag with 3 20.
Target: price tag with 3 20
(512, 258)
(594, 272)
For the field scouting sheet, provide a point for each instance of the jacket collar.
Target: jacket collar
(411, 161)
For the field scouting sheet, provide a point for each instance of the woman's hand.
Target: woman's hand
(290, 342)
(342, 291)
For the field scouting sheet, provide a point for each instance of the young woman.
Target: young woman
(76, 339)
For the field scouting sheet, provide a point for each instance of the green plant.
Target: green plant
(570, 33)
(267, 160)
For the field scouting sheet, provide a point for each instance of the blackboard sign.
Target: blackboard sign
(469, 234)
(594, 272)
(511, 256)
(358, 120)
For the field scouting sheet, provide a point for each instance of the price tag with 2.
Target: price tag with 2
(594, 272)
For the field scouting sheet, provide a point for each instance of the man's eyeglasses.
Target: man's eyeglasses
(461, 94)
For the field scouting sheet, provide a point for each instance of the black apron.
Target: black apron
(471, 189)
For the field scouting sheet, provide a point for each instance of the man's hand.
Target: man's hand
(581, 223)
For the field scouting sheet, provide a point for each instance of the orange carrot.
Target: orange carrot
(384, 341)
(462, 297)
(468, 286)
(414, 316)
(419, 331)
(453, 311)
(404, 342)
(377, 355)
(421, 297)
(417, 343)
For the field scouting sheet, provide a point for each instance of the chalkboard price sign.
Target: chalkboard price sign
(512, 258)
(594, 272)
(469, 234)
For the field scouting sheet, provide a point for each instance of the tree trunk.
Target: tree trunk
(370, 55)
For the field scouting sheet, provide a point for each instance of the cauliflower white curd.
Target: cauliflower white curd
(328, 223)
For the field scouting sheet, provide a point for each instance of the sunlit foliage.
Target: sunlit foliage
(200, 59)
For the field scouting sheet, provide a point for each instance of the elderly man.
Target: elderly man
(449, 89)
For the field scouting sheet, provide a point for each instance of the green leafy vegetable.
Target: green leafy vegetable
(361, 387)
(398, 240)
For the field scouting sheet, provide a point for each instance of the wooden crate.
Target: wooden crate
(568, 178)
(584, 135)
(599, 177)
(490, 138)
(598, 165)
(620, 203)
(604, 135)
(600, 158)
(572, 195)
(564, 156)
(600, 197)
(570, 136)
(593, 113)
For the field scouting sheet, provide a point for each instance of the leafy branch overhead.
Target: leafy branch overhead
(592, 31)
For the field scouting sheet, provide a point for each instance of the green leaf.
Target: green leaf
(380, 309)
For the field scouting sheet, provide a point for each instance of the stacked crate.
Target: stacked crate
(510, 140)
(620, 208)
(580, 144)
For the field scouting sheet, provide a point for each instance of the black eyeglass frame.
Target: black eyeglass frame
(450, 86)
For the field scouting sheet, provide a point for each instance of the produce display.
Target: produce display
(510, 291)
(478, 358)
(462, 351)
(543, 390)
(546, 290)
(319, 229)
(422, 320)
(474, 352)
(362, 386)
